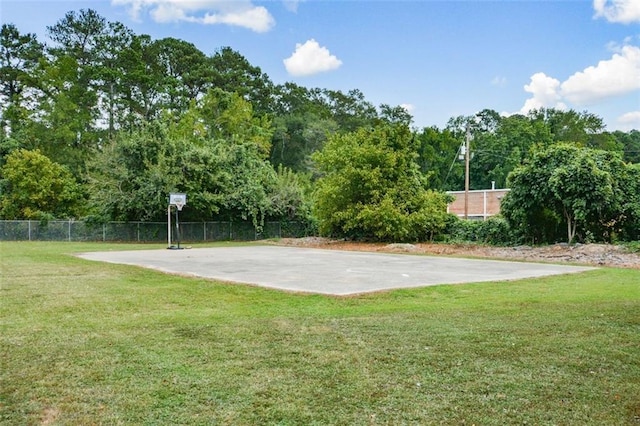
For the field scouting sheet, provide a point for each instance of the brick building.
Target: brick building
(482, 203)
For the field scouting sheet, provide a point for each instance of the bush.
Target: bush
(495, 231)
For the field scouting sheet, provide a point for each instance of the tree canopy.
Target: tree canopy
(119, 120)
(584, 190)
(34, 187)
(371, 187)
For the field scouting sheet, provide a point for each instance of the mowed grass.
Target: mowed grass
(94, 343)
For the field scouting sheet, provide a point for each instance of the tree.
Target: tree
(232, 72)
(580, 189)
(64, 106)
(111, 73)
(291, 196)
(351, 111)
(188, 72)
(215, 152)
(395, 115)
(296, 136)
(34, 187)
(498, 150)
(224, 115)
(580, 128)
(371, 187)
(629, 228)
(438, 159)
(630, 142)
(19, 56)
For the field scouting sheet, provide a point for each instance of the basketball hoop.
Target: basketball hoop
(178, 200)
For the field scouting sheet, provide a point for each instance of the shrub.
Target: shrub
(495, 231)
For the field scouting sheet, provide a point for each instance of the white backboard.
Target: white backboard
(177, 199)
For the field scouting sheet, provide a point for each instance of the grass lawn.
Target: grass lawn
(90, 343)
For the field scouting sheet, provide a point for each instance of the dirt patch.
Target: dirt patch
(49, 416)
(585, 254)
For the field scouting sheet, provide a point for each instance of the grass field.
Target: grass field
(90, 343)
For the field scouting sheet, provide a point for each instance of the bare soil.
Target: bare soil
(585, 254)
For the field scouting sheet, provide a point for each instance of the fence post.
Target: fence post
(204, 232)
(104, 232)
(69, 234)
(29, 229)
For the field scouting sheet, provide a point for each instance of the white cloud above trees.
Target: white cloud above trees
(616, 76)
(241, 13)
(310, 58)
(545, 93)
(613, 77)
(628, 121)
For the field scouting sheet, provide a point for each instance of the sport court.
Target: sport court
(330, 272)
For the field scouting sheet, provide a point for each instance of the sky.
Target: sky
(438, 59)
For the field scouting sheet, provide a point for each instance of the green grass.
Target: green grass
(91, 343)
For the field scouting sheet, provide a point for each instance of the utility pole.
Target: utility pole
(467, 154)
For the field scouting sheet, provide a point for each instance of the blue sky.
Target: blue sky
(439, 59)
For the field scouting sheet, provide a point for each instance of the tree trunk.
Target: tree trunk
(571, 226)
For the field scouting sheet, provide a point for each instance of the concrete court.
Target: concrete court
(326, 271)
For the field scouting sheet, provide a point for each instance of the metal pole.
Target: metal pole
(177, 229)
(169, 226)
(466, 173)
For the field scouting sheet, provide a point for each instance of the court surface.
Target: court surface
(327, 271)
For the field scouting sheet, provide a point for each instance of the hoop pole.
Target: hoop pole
(169, 226)
(177, 229)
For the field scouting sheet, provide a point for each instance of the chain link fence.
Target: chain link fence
(189, 232)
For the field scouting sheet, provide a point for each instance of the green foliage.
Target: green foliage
(228, 116)
(628, 226)
(34, 187)
(498, 152)
(371, 188)
(132, 177)
(495, 231)
(630, 143)
(437, 158)
(19, 56)
(291, 196)
(586, 191)
(89, 97)
(581, 129)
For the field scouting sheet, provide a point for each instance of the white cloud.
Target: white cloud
(545, 91)
(622, 11)
(629, 121)
(257, 19)
(240, 13)
(408, 107)
(616, 76)
(311, 58)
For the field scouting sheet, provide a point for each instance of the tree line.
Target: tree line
(103, 123)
